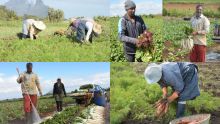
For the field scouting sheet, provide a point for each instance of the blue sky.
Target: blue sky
(90, 8)
(73, 74)
(142, 7)
(75, 8)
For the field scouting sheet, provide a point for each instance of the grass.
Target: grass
(10, 110)
(49, 47)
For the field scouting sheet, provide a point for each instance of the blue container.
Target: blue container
(99, 99)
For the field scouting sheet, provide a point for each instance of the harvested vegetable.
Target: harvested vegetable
(161, 107)
(187, 41)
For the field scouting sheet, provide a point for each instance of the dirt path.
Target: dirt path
(97, 115)
(189, 6)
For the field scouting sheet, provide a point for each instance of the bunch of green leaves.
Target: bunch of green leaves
(66, 116)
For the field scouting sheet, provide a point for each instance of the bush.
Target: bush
(7, 14)
(55, 15)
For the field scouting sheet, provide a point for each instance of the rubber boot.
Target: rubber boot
(28, 118)
(61, 105)
(180, 110)
(57, 102)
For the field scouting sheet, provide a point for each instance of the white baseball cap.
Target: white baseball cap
(153, 73)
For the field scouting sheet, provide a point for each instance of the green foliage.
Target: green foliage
(11, 110)
(49, 47)
(204, 103)
(7, 14)
(154, 24)
(55, 15)
(64, 117)
(189, 12)
(133, 98)
(188, 30)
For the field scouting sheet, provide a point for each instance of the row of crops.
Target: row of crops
(133, 99)
(12, 110)
(78, 115)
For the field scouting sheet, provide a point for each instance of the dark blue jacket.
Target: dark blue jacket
(129, 32)
(182, 77)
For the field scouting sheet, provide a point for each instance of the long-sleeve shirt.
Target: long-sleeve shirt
(201, 25)
(129, 31)
(182, 77)
(29, 84)
(28, 28)
(88, 24)
(59, 88)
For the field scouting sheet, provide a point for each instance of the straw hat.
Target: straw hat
(153, 73)
(72, 20)
(97, 28)
(39, 25)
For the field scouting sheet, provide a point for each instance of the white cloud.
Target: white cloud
(9, 88)
(9, 85)
(102, 79)
(144, 7)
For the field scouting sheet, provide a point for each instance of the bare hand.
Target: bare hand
(138, 43)
(195, 33)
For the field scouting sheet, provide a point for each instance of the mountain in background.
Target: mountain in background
(29, 7)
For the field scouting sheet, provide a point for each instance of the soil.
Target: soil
(189, 6)
(215, 117)
(130, 121)
(166, 52)
(209, 79)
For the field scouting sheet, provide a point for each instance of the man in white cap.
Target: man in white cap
(130, 27)
(31, 28)
(182, 77)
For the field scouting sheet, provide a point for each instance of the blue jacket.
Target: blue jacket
(182, 77)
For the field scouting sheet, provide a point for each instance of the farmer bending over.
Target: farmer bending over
(182, 77)
(58, 93)
(29, 84)
(85, 29)
(31, 28)
(130, 27)
(200, 25)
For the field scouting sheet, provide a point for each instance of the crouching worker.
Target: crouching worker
(58, 93)
(31, 28)
(85, 29)
(182, 77)
(29, 84)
